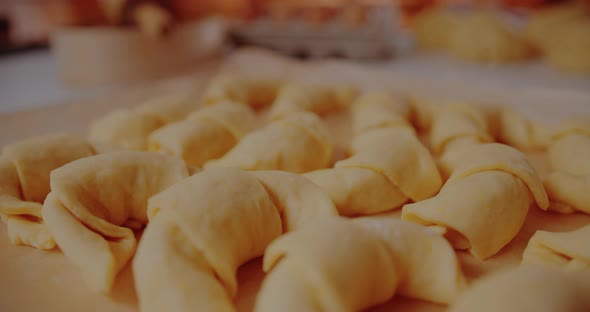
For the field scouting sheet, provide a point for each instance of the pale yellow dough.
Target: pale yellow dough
(458, 123)
(94, 201)
(203, 228)
(297, 97)
(486, 199)
(567, 45)
(206, 134)
(543, 23)
(24, 183)
(427, 264)
(484, 38)
(527, 290)
(517, 131)
(569, 250)
(297, 143)
(320, 267)
(489, 189)
(569, 155)
(130, 128)
(253, 92)
(389, 165)
(434, 27)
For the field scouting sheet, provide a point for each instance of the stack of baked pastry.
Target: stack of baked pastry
(213, 188)
(560, 33)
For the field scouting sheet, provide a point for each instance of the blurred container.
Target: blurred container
(105, 55)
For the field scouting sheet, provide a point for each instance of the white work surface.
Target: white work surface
(31, 79)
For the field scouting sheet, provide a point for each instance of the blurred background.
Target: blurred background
(56, 49)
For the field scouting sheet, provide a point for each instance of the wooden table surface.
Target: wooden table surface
(34, 280)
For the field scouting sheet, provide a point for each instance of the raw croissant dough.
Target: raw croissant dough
(434, 27)
(254, 92)
(569, 46)
(296, 97)
(527, 290)
(569, 155)
(94, 201)
(389, 165)
(484, 38)
(427, 264)
(521, 133)
(203, 228)
(384, 255)
(206, 134)
(297, 143)
(570, 250)
(457, 124)
(24, 183)
(130, 128)
(486, 198)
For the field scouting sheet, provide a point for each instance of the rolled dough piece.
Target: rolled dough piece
(94, 203)
(24, 183)
(389, 165)
(298, 143)
(527, 289)
(569, 250)
(485, 201)
(203, 228)
(319, 268)
(253, 92)
(297, 97)
(206, 134)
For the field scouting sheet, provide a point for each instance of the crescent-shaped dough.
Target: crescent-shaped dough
(486, 199)
(455, 123)
(130, 128)
(296, 97)
(433, 28)
(389, 163)
(544, 22)
(297, 143)
(527, 290)
(24, 183)
(94, 201)
(483, 37)
(428, 266)
(568, 45)
(320, 268)
(203, 228)
(521, 133)
(254, 92)
(206, 134)
(568, 249)
(569, 155)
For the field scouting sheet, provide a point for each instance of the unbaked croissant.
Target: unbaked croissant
(568, 249)
(527, 290)
(297, 143)
(521, 133)
(427, 265)
(95, 201)
(296, 97)
(130, 128)
(206, 134)
(389, 164)
(320, 267)
(486, 198)
(458, 124)
(254, 92)
(203, 228)
(569, 155)
(24, 183)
